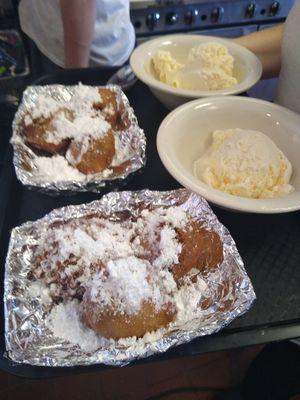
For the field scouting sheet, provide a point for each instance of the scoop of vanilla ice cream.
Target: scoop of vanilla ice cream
(245, 163)
(165, 66)
(209, 67)
(194, 78)
(211, 55)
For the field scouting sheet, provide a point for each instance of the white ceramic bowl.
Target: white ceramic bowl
(247, 67)
(185, 134)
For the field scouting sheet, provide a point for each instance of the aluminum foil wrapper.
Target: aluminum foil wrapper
(132, 139)
(29, 340)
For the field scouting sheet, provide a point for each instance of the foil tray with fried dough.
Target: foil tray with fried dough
(28, 148)
(228, 290)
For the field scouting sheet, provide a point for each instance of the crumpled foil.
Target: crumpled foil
(29, 340)
(24, 156)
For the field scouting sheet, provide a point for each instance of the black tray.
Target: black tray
(268, 244)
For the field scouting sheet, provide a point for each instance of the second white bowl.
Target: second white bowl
(247, 67)
(185, 135)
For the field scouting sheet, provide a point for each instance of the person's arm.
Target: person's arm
(266, 44)
(78, 18)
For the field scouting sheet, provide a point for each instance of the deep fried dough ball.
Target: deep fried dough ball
(115, 325)
(129, 297)
(113, 110)
(96, 158)
(36, 133)
(202, 249)
(109, 106)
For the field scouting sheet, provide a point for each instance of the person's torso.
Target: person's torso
(288, 92)
(113, 37)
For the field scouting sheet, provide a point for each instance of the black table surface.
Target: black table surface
(268, 244)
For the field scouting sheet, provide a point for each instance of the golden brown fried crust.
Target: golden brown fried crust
(109, 100)
(36, 133)
(202, 249)
(98, 156)
(119, 118)
(101, 151)
(115, 325)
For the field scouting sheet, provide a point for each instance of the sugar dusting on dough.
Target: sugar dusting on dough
(65, 321)
(127, 283)
(128, 278)
(96, 239)
(80, 102)
(56, 168)
(84, 120)
(76, 119)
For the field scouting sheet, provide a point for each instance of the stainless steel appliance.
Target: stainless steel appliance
(225, 18)
(228, 18)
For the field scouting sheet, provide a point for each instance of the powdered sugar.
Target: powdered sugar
(27, 120)
(175, 216)
(80, 102)
(37, 289)
(64, 321)
(81, 118)
(125, 284)
(76, 121)
(45, 106)
(188, 299)
(107, 173)
(81, 126)
(109, 109)
(86, 245)
(27, 338)
(56, 168)
(84, 97)
(169, 248)
(110, 264)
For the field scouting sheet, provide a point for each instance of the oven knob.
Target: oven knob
(191, 16)
(216, 14)
(274, 8)
(250, 10)
(152, 20)
(172, 18)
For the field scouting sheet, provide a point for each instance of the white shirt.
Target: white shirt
(113, 38)
(288, 92)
